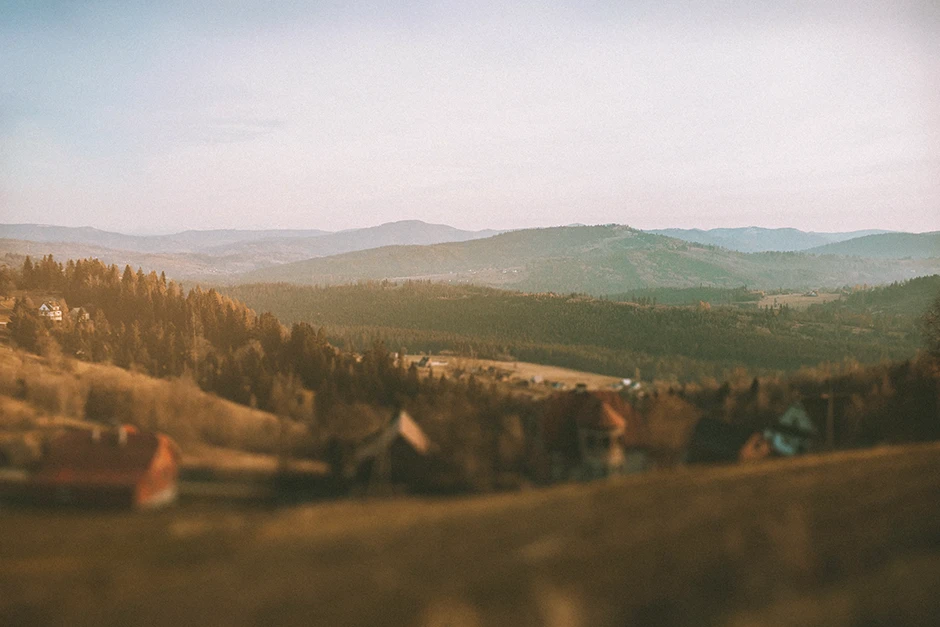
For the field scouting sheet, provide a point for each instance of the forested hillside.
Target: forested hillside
(886, 246)
(583, 332)
(144, 322)
(593, 259)
(752, 239)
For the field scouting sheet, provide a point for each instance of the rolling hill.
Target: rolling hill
(596, 335)
(183, 242)
(886, 246)
(753, 239)
(593, 259)
(216, 255)
(405, 232)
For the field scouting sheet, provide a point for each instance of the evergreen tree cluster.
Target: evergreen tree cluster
(579, 331)
(143, 321)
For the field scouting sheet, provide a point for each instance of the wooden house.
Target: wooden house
(51, 311)
(590, 434)
(120, 467)
(80, 314)
(398, 454)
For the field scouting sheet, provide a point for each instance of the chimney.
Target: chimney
(96, 435)
(122, 436)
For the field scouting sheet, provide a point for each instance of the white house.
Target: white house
(51, 310)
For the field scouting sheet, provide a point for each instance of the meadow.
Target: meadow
(843, 539)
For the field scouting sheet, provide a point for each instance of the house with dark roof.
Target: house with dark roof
(121, 467)
(587, 435)
(398, 454)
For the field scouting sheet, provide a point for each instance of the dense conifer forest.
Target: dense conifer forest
(147, 323)
(601, 335)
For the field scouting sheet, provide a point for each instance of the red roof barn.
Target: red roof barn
(119, 467)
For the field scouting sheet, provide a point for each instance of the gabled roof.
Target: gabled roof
(567, 412)
(402, 426)
(796, 421)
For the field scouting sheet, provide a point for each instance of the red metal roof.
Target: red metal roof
(81, 456)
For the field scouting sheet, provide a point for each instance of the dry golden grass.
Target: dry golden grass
(845, 539)
(798, 300)
(519, 371)
(38, 392)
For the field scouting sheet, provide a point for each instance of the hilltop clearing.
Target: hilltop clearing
(537, 379)
(824, 540)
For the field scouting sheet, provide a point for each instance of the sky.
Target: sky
(142, 116)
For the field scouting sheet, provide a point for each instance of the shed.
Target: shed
(120, 467)
(396, 454)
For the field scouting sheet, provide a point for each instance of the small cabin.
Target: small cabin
(398, 454)
(80, 314)
(118, 467)
(51, 311)
(589, 435)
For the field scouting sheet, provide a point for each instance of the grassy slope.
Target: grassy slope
(846, 539)
(598, 260)
(56, 391)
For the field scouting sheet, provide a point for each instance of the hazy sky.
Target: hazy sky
(817, 114)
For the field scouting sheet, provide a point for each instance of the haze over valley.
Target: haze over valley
(597, 260)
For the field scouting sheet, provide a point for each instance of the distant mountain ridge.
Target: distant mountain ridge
(183, 242)
(211, 255)
(885, 246)
(604, 259)
(405, 232)
(595, 259)
(754, 239)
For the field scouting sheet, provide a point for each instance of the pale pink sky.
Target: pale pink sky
(819, 115)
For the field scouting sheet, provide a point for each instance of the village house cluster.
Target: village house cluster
(581, 435)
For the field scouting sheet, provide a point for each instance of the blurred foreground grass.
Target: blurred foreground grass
(846, 539)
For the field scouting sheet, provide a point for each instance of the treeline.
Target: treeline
(576, 330)
(902, 299)
(145, 322)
